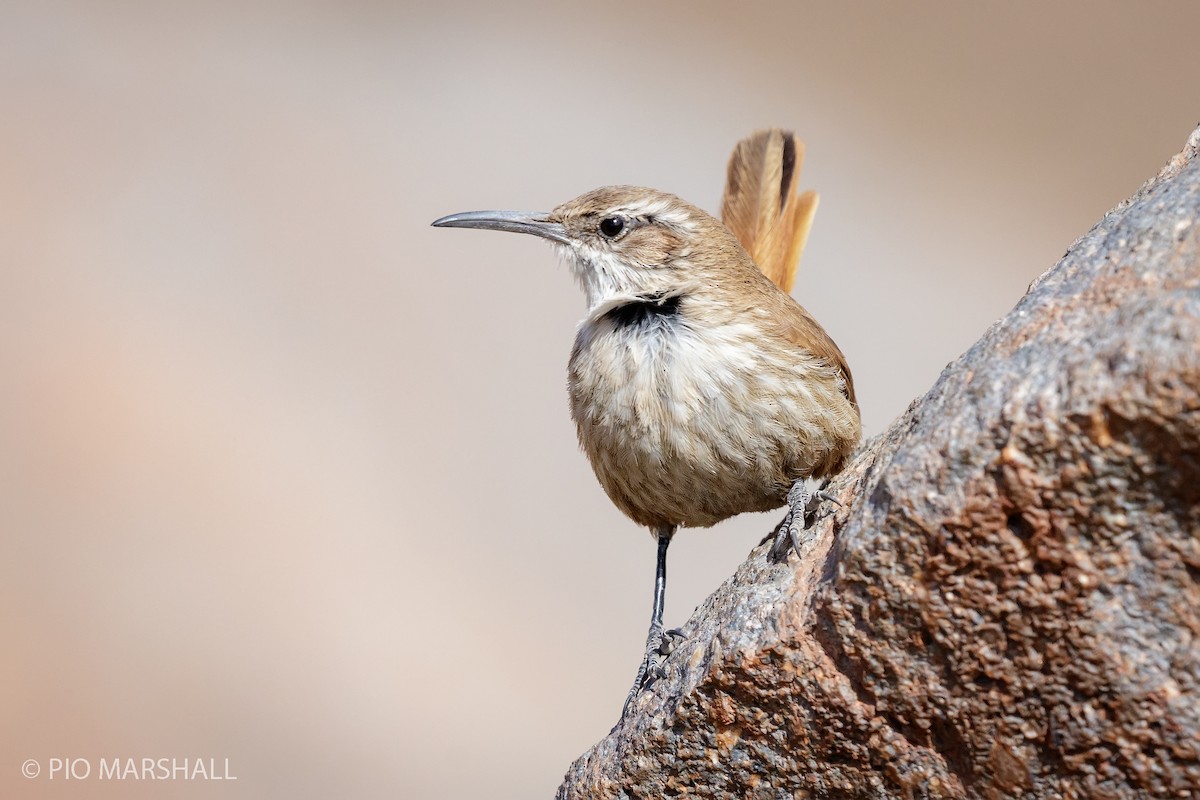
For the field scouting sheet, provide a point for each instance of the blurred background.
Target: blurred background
(287, 477)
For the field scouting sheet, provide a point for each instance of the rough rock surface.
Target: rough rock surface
(1008, 605)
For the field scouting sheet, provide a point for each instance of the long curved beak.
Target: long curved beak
(536, 222)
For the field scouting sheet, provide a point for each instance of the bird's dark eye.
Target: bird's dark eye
(611, 227)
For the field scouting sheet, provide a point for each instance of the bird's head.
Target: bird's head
(626, 242)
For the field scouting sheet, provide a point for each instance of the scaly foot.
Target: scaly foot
(659, 644)
(802, 513)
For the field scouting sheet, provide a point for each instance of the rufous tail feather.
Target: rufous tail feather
(762, 206)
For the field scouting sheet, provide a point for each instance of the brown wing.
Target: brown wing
(803, 330)
(761, 205)
(840, 422)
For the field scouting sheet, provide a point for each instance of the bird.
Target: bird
(700, 389)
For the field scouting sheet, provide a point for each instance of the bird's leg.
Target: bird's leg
(802, 509)
(656, 641)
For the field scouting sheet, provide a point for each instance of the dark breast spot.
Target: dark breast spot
(646, 311)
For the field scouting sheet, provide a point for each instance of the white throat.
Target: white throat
(608, 281)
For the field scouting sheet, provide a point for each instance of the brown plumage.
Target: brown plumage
(715, 408)
(699, 388)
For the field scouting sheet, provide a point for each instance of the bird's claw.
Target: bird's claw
(792, 533)
(669, 639)
(659, 646)
(821, 494)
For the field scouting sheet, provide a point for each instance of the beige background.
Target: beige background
(287, 476)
